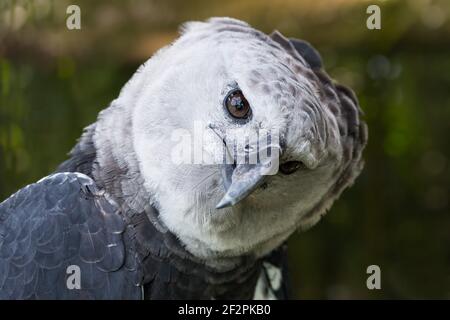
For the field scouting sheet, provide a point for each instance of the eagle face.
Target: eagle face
(241, 137)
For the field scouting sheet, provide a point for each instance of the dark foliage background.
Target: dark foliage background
(53, 82)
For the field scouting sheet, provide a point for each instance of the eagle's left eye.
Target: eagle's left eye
(237, 105)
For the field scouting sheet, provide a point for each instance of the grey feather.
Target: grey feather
(55, 223)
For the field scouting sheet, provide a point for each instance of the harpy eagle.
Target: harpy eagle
(135, 224)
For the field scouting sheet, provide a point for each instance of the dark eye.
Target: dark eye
(237, 105)
(290, 167)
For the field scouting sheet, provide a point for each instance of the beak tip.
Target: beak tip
(225, 202)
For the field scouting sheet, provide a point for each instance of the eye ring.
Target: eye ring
(237, 105)
(290, 167)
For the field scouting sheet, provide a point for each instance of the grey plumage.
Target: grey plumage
(64, 220)
(100, 211)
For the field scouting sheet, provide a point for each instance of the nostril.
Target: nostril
(290, 167)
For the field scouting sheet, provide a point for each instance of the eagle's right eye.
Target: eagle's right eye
(237, 105)
(290, 167)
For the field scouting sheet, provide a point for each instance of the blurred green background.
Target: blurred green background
(54, 81)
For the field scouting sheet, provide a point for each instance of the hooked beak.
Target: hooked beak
(242, 179)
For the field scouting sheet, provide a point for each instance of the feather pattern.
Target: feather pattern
(62, 221)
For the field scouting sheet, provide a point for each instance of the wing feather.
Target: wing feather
(60, 221)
